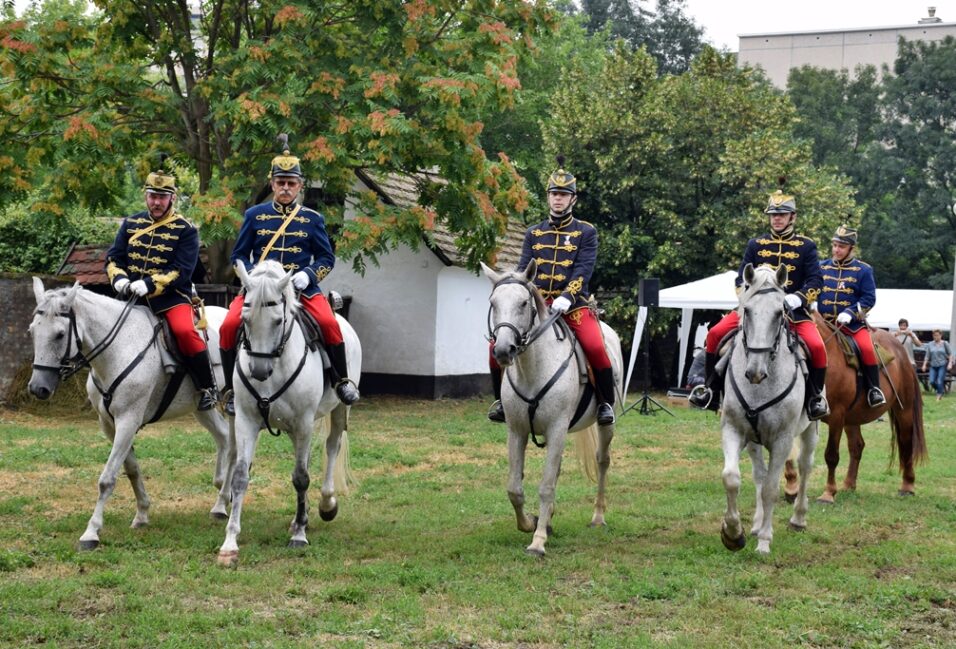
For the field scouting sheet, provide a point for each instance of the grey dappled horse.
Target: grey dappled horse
(280, 383)
(73, 326)
(539, 362)
(763, 407)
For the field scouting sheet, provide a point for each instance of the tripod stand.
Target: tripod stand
(648, 405)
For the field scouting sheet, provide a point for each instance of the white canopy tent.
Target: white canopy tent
(924, 309)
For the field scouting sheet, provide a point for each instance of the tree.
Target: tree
(386, 85)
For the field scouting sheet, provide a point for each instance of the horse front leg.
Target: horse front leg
(603, 456)
(855, 445)
(731, 531)
(131, 466)
(760, 478)
(121, 433)
(246, 437)
(221, 433)
(808, 443)
(832, 457)
(302, 446)
(554, 451)
(769, 491)
(336, 467)
(517, 444)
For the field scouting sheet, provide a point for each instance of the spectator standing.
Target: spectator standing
(939, 359)
(908, 339)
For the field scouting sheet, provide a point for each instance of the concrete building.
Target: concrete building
(776, 53)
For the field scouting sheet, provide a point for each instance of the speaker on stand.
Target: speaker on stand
(647, 296)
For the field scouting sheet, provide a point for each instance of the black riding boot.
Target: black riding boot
(874, 395)
(496, 413)
(228, 366)
(707, 395)
(605, 387)
(200, 371)
(345, 387)
(817, 406)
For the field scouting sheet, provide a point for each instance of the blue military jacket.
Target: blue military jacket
(799, 255)
(849, 286)
(164, 258)
(304, 245)
(565, 253)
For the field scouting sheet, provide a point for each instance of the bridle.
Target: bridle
(776, 341)
(71, 364)
(534, 332)
(285, 333)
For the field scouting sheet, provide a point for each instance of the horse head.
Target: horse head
(54, 336)
(514, 307)
(761, 313)
(267, 314)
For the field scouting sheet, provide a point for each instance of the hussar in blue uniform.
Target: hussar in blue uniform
(153, 257)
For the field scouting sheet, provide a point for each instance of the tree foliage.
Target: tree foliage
(387, 85)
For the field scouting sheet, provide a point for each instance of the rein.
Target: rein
(524, 341)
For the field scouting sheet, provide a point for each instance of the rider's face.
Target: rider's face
(158, 204)
(779, 222)
(559, 201)
(286, 188)
(840, 250)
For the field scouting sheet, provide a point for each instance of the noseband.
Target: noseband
(533, 332)
(776, 341)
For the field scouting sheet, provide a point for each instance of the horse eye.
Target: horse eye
(59, 336)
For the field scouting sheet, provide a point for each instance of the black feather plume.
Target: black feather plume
(560, 159)
(283, 140)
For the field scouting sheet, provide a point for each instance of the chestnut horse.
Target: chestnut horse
(848, 411)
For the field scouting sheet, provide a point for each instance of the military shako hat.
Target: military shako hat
(781, 203)
(845, 234)
(285, 164)
(159, 181)
(561, 180)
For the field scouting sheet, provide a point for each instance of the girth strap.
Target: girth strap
(107, 394)
(535, 401)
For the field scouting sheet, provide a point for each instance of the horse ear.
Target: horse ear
(749, 273)
(782, 274)
(71, 294)
(38, 289)
(490, 273)
(530, 270)
(284, 281)
(242, 273)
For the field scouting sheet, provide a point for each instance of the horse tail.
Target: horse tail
(343, 480)
(585, 448)
(916, 447)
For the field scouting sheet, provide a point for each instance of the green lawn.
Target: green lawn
(425, 553)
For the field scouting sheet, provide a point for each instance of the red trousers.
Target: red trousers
(180, 319)
(865, 342)
(317, 305)
(806, 330)
(587, 329)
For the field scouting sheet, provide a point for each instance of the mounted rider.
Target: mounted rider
(849, 292)
(781, 245)
(565, 250)
(295, 236)
(153, 257)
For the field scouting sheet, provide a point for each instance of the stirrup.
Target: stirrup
(347, 391)
(701, 396)
(818, 408)
(208, 399)
(605, 414)
(497, 412)
(229, 403)
(875, 397)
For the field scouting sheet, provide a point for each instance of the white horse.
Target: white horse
(280, 383)
(763, 407)
(542, 393)
(127, 385)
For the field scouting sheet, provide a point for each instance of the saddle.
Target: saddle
(851, 352)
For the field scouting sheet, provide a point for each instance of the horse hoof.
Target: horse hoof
(597, 524)
(219, 516)
(329, 515)
(733, 545)
(228, 559)
(89, 545)
(534, 552)
(139, 524)
(907, 493)
(296, 543)
(790, 498)
(797, 528)
(825, 500)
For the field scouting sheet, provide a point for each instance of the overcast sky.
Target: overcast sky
(724, 20)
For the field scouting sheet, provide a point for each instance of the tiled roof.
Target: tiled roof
(402, 190)
(86, 262)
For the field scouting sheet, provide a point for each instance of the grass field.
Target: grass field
(425, 553)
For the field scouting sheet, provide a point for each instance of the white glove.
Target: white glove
(121, 286)
(793, 301)
(138, 288)
(561, 304)
(300, 280)
(844, 318)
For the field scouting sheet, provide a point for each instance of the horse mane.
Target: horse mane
(514, 275)
(263, 285)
